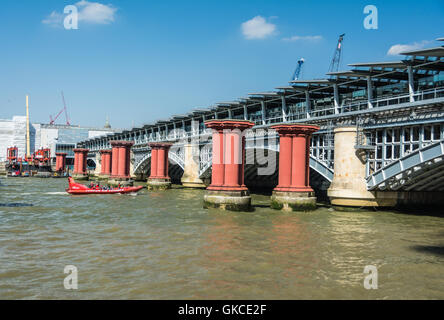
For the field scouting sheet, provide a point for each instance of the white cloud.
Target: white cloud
(89, 12)
(257, 28)
(54, 19)
(94, 12)
(303, 38)
(398, 48)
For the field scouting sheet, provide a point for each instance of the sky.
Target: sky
(139, 61)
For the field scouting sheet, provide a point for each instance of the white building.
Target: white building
(58, 138)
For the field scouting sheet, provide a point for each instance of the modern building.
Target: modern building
(58, 138)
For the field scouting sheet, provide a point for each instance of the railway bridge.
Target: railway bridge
(380, 140)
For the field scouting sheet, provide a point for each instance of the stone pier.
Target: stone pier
(105, 163)
(60, 162)
(120, 164)
(227, 190)
(190, 178)
(159, 179)
(349, 188)
(293, 192)
(80, 157)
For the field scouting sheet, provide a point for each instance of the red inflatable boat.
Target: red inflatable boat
(77, 188)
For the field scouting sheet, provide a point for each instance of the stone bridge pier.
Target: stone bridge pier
(190, 178)
(349, 188)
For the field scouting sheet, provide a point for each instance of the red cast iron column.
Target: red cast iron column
(228, 154)
(122, 162)
(80, 157)
(60, 161)
(76, 161)
(293, 192)
(218, 168)
(115, 159)
(154, 152)
(294, 157)
(159, 179)
(106, 162)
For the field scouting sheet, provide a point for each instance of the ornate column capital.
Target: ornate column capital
(221, 125)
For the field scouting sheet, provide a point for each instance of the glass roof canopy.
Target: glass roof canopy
(423, 63)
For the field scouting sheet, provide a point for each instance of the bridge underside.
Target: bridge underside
(175, 171)
(428, 176)
(263, 177)
(421, 170)
(259, 176)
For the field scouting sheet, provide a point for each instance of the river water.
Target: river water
(164, 245)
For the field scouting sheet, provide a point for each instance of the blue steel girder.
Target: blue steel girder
(141, 158)
(321, 168)
(404, 172)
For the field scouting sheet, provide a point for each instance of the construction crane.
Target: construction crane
(52, 121)
(336, 61)
(298, 70)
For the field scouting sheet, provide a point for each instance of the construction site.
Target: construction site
(30, 149)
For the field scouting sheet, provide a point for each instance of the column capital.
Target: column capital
(123, 143)
(229, 124)
(107, 151)
(160, 145)
(295, 129)
(61, 154)
(345, 129)
(80, 150)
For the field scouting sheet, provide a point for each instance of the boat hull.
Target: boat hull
(116, 191)
(80, 189)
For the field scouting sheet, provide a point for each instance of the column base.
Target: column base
(158, 184)
(228, 200)
(80, 176)
(103, 177)
(197, 184)
(293, 201)
(342, 198)
(124, 182)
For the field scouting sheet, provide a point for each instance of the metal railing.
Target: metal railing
(295, 114)
(301, 113)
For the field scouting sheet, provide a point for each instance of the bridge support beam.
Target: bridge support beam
(190, 178)
(60, 162)
(80, 156)
(105, 170)
(227, 190)
(349, 188)
(120, 168)
(293, 192)
(159, 179)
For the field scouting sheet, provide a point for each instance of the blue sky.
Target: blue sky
(140, 61)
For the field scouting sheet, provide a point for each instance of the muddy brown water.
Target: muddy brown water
(164, 245)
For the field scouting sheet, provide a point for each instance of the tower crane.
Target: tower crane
(52, 121)
(337, 55)
(298, 70)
